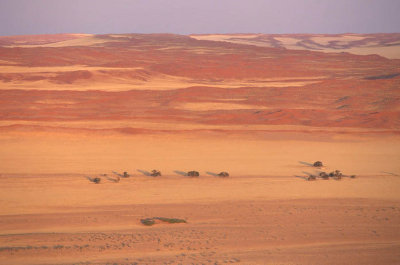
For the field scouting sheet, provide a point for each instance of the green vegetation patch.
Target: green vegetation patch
(152, 221)
(148, 221)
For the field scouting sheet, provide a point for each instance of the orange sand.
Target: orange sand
(74, 107)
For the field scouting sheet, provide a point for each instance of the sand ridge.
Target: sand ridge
(363, 44)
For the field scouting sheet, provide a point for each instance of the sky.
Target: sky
(21, 17)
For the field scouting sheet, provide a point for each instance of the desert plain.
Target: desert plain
(264, 108)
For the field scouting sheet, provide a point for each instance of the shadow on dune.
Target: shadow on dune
(144, 172)
(116, 173)
(305, 163)
(302, 177)
(182, 173)
(307, 173)
(377, 77)
(91, 179)
(212, 174)
(111, 179)
(390, 173)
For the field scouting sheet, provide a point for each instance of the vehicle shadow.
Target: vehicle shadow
(116, 173)
(306, 163)
(302, 177)
(144, 172)
(182, 173)
(112, 179)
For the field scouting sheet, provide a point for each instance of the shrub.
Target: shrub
(170, 220)
(147, 221)
(152, 221)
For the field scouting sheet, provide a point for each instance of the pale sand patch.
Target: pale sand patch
(109, 82)
(231, 83)
(289, 42)
(122, 79)
(232, 99)
(83, 40)
(289, 78)
(251, 42)
(238, 39)
(391, 52)
(7, 62)
(51, 69)
(206, 106)
(223, 37)
(55, 102)
(211, 51)
(197, 50)
(105, 81)
(324, 40)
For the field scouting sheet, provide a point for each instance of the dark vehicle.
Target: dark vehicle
(96, 180)
(318, 164)
(155, 173)
(223, 174)
(336, 175)
(193, 174)
(311, 178)
(323, 175)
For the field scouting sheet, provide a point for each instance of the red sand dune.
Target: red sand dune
(171, 84)
(262, 107)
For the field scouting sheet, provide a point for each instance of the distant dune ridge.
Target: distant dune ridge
(164, 86)
(202, 79)
(386, 45)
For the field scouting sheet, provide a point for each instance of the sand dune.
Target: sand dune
(75, 107)
(135, 61)
(362, 44)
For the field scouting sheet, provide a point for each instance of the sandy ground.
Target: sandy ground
(264, 213)
(240, 220)
(75, 107)
(277, 154)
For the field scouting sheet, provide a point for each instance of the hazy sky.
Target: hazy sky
(198, 16)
